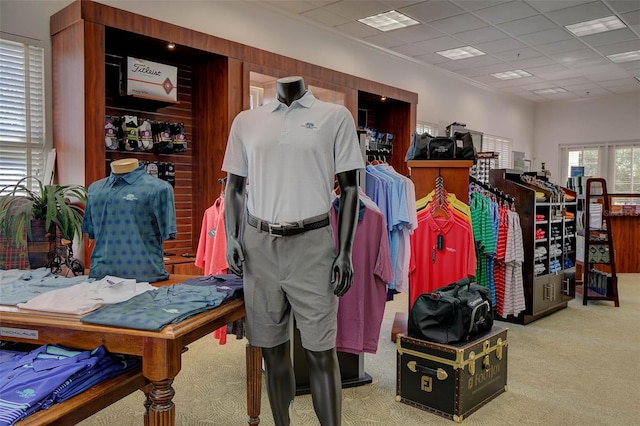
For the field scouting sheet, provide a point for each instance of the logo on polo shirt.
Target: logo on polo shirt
(130, 197)
(27, 393)
(309, 125)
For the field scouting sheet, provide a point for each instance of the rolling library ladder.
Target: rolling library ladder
(599, 280)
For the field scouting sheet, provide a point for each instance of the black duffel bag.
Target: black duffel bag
(453, 313)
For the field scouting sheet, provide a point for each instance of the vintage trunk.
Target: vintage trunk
(455, 380)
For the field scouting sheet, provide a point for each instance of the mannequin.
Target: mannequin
(129, 214)
(292, 98)
(125, 165)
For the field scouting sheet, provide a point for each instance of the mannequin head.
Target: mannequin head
(289, 89)
(124, 165)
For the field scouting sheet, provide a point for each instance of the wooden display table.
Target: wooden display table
(161, 353)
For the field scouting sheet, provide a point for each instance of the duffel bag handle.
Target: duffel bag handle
(439, 373)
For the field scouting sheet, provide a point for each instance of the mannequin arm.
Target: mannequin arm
(342, 268)
(233, 214)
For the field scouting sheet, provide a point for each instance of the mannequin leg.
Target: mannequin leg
(281, 383)
(326, 386)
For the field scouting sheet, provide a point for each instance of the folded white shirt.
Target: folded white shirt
(86, 297)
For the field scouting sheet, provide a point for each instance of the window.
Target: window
(22, 121)
(502, 146)
(423, 126)
(587, 158)
(618, 163)
(626, 177)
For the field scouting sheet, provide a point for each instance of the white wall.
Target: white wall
(442, 99)
(614, 118)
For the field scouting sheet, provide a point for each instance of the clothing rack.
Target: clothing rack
(493, 190)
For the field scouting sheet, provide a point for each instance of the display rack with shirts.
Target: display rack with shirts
(546, 214)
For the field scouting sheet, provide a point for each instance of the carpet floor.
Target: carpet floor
(579, 366)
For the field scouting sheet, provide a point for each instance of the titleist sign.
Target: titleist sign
(152, 80)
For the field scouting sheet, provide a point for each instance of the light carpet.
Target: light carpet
(578, 366)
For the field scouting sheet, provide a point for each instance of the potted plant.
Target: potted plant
(32, 215)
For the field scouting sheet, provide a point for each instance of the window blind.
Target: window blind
(22, 121)
(502, 146)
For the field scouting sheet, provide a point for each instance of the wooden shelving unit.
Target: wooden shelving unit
(599, 279)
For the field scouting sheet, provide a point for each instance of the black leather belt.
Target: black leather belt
(284, 229)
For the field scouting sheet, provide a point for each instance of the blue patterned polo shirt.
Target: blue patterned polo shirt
(129, 216)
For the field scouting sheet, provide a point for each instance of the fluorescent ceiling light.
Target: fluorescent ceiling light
(461, 53)
(550, 91)
(638, 78)
(391, 20)
(508, 75)
(633, 55)
(596, 26)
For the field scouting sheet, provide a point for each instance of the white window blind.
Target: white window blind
(502, 146)
(22, 121)
(589, 158)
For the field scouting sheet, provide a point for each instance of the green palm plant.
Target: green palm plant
(61, 205)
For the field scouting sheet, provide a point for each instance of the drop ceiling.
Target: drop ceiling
(514, 35)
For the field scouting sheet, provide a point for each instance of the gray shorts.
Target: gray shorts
(282, 274)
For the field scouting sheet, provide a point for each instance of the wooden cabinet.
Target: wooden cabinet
(548, 235)
(89, 41)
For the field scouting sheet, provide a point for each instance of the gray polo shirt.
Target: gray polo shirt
(290, 156)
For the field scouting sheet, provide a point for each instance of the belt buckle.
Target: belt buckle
(275, 227)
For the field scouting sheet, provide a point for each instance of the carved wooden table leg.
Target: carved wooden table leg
(162, 411)
(254, 383)
(147, 402)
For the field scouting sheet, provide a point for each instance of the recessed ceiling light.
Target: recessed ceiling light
(508, 75)
(171, 45)
(391, 20)
(633, 55)
(596, 26)
(550, 91)
(461, 53)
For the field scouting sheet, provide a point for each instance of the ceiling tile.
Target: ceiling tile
(481, 35)
(571, 81)
(325, 17)
(357, 9)
(438, 44)
(432, 58)
(632, 18)
(384, 40)
(588, 63)
(629, 81)
(505, 12)
(625, 89)
(356, 29)
(549, 5)
(491, 69)
(396, 4)
(630, 65)
(527, 25)
(596, 91)
(609, 68)
(568, 58)
(610, 75)
(560, 46)
(458, 23)
(416, 33)
(541, 61)
(498, 46)
(542, 72)
(478, 4)
(622, 6)
(609, 37)
(518, 54)
(563, 74)
(409, 50)
(582, 87)
(625, 46)
(583, 12)
(431, 10)
(546, 36)
(299, 6)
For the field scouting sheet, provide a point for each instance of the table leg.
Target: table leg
(254, 383)
(161, 410)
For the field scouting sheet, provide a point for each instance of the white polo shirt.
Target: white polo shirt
(290, 156)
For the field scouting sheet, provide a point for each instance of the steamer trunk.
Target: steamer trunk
(452, 381)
